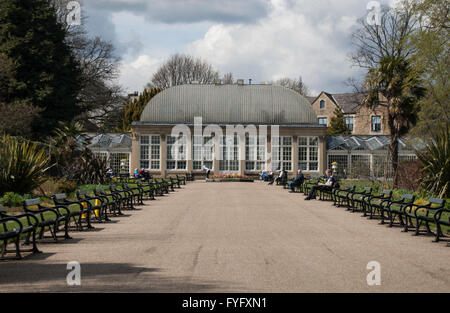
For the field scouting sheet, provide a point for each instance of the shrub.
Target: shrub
(12, 199)
(436, 165)
(22, 165)
(66, 186)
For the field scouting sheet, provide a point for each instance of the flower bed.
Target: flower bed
(229, 178)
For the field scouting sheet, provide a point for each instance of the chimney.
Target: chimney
(240, 82)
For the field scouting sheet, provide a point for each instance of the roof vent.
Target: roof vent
(240, 82)
(195, 82)
(217, 82)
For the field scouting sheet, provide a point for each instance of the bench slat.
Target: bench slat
(31, 202)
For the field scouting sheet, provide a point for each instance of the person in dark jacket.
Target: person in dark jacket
(320, 186)
(298, 181)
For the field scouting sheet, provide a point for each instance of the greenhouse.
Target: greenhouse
(366, 156)
(116, 148)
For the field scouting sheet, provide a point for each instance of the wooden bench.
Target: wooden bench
(49, 217)
(126, 197)
(326, 193)
(190, 177)
(175, 182)
(182, 180)
(162, 184)
(147, 190)
(357, 199)
(110, 200)
(169, 183)
(137, 193)
(29, 224)
(158, 189)
(375, 203)
(307, 184)
(433, 210)
(341, 196)
(75, 215)
(395, 209)
(94, 205)
(282, 181)
(11, 229)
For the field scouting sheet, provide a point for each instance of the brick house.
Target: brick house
(359, 119)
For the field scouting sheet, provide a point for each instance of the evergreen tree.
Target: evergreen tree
(133, 110)
(337, 124)
(46, 73)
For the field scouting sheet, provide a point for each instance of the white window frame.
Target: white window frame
(206, 149)
(309, 152)
(352, 123)
(279, 145)
(255, 153)
(322, 117)
(372, 124)
(230, 144)
(151, 145)
(179, 145)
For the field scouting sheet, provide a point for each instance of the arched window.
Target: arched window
(322, 104)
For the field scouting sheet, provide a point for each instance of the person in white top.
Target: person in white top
(207, 170)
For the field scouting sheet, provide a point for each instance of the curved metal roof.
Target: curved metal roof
(233, 104)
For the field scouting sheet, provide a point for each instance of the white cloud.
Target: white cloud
(136, 74)
(311, 39)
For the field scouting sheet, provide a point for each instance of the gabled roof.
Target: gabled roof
(348, 102)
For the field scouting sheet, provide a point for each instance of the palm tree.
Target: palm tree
(398, 83)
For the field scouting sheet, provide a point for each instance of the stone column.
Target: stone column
(294, 155)
(163, 157)
(269, 152)
(189, 148)
(135, 152)
(242, 155)
(216, 155)
(322, 154)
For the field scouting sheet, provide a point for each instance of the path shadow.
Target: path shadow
(60, 241)
(24, 276)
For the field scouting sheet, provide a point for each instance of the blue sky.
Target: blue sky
(259, 39)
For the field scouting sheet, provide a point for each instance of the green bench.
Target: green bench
(433, 213)
(51, 218)
(396, 209)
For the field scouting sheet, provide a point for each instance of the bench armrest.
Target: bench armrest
(28, 216)
(4, 220)
(64, 208)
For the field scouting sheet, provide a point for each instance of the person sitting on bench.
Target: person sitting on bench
(298, 181)
(207, 171)
(264, 176)
(320, 186)
(270, 176)
(279, 178)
